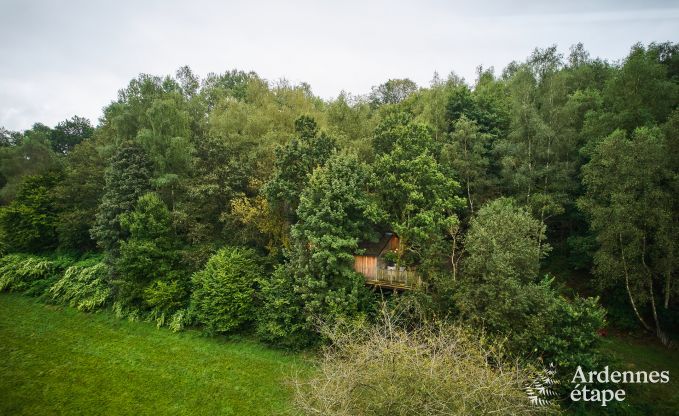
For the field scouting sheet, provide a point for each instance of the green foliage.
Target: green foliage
(127, 179)
(467, 154)
(504, 242)
(281, 319)
(223, 292)
(640, 93)
(333, 212)
(29, 222)
(294, 163)
(147, 256)
(235, 160)
(78, 196)
(630, 207)
(84, 285)
(383, 369)
(392, 92)
(32, 275)
(67, 134)
(499, 291)
(569, 337)
(27, 154)
(413, 189)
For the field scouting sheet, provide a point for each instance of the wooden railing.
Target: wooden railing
(395, 277)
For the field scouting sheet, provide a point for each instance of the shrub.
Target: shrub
(282, 320)
(29, 222)
(500, 291)
(178, 320)
(223, 294)
(434, 370)
(83, 286)
(148, 255)
(165, 297)
(29, 274)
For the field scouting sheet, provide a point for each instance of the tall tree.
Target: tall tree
(468, 155)
(392, 92)
(29, 222)
(147, 256)
(69, 133)
(126, 179)
(629, 201)
(335, 213)
(414, 191)
(294, 162)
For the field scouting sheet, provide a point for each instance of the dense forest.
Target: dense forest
(540, 204)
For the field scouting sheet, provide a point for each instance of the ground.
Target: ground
(636, 354)
(56, 360)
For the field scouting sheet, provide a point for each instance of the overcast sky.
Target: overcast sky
(62, 58)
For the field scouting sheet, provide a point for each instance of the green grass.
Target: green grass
(56, 360)
(655, 399)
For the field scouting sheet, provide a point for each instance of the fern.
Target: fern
(178, 320)
(83, 286)
(540, 392)
(30, 274)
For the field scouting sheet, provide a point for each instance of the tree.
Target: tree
(414, 191)
(293, 164)
(500, 289)
(528, 160)
(29, 154)
(29, 222)
(126, 179)
(69, 133)
(78, 196)
(640, 92)
(391, 92)
(334, 215)
(504, 242)
(629, 201)
(468, 155)
(223, 294)
(147, 256)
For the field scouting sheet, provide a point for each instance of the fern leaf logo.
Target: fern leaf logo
(540, 391)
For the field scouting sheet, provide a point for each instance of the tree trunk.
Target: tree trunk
(659, 333)
(629, 292)
(668, 287)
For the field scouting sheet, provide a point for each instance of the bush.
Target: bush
(29, 274)
(148, 255)
(223, 294)
(83, 286)
(28, 223)
(282, 320)
(500, 291)
(434, 370)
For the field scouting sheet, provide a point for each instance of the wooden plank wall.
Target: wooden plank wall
(366, 265)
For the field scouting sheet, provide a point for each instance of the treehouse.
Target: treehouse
(377, 263)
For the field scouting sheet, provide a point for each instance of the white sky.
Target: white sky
(59, 58)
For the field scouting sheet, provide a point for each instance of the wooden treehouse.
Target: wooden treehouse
(379, 270)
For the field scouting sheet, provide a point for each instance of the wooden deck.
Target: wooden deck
(394, 279)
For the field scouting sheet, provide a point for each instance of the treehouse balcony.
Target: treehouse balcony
(379, 271)
(395, 279)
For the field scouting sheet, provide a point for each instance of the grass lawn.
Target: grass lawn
(56, 360)
(651, 399)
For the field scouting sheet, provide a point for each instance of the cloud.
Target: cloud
(66, 58)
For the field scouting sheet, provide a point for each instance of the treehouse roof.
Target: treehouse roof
(377, 248)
